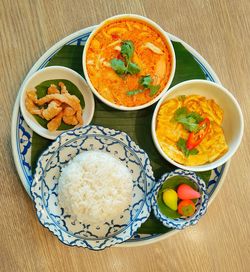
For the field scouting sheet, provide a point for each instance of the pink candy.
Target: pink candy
(184, 191)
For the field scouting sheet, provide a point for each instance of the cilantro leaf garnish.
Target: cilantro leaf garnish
(133, 68)
(118, 66)
(145, 81)
(153, 89)
(127, 67)
(133, 92)
(181, 112)
(196, 116)
(181, 144)
(181, 97)
(127, 50)
(190, 120)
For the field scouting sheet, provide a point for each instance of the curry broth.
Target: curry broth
(106, 45)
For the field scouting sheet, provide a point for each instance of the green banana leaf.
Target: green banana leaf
(136, 123)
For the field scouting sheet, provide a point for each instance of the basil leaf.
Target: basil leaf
(134, 92)
(118, 66)
(127, 50)
(133, 68)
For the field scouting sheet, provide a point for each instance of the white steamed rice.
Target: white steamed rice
(95, 187)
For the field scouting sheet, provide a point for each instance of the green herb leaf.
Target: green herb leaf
(196, 116)
(181, 144)
(133, 92)
(190, 120)
(180, 112)
(193, 151)
(127, 50)
(189, 123)
(153, 89)
(145, 81)
(133, 68)
(127, 67)
(118, 66)
(181, 97)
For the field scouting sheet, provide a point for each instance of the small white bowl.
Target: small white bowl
(233, 124)
(154, 26)
(49, 73)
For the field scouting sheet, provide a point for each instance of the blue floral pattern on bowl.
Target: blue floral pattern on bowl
(201, 204)
(44, 189)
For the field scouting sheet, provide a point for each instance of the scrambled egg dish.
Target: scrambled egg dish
(189, 130)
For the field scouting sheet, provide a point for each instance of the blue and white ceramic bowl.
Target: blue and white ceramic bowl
(44, 188)
(201, 204)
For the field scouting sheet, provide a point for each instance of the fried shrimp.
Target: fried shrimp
(79, 117)
(70, 120)
(55, 123)
(68, 111)
(31, 107)
(63, 88)
(53, 89)
(30, 102)
(31, 94)
(52, 110)
(57, 106)
(71, 100)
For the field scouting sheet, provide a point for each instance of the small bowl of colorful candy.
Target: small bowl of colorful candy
(179, 199)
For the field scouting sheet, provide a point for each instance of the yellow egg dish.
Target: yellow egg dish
(189, 130)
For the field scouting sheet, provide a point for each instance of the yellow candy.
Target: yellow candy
(170, 198)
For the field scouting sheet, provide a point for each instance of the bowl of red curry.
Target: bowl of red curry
(129, 62)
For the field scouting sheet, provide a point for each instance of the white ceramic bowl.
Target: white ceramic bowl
(56, 72)
(153, 25)
(233, 124)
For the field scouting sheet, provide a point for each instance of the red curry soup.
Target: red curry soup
(128, 62)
